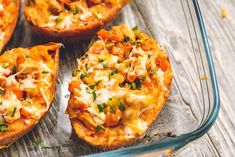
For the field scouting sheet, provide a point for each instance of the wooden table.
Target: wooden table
(220, 140)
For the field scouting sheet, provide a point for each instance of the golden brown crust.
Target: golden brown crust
(115, 136)
(101, 142)
(80, 33)
(12, 27)
(22, 126)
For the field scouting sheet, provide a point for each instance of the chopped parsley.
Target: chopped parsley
(3, 126)
(100, 60)
(94, 95)
(127, 39)
(75, 73)
(105, 65)
(93, 85)
(2, 91)
(121, 107)
(57, 20)
(133, 85)
(112, 109)
(135, 28)
(6, 65)
(151, 73)
(98, 128)
(14, 70)
(82, 76)
(114, 72)
(45, 72)
(101, 107)
(75, 11)
(143, 78)
(13, 112)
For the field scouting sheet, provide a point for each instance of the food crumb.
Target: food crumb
(224, 12)
(203, 78)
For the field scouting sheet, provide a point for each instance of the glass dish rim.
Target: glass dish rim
(175, 143)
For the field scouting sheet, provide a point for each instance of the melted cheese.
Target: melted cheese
(128, 65)
(67, 22)
(28, 83)
(160, 74)
(7, 107)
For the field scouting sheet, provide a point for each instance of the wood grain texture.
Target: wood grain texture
(170, 24)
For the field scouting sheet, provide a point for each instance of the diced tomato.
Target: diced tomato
(162, 63)
(103, 34)
(73, 85)
(20, 59)
(25, 113)
(111, 119)
(131, 76)
(116, 35)
(147, 82)
(18, 93)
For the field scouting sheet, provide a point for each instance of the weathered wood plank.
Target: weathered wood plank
(165, 21)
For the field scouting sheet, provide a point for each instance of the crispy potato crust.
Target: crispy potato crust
(11, 28)
(74, 34)
(23, 125)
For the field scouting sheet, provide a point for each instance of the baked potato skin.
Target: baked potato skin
(74, 35)
(20, 127)
(102, 142)
(12, 27)
(113, 137)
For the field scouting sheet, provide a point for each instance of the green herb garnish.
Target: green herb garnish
(75, 11)
(101, 107)
(45, 72)
(121, 107)
(57, 20)
(112, 110)
(13, 112)
(82, 76)
(14, 70)
(143, 78)
(3, 126)
(98, 128)
(2, 91)
(94, 95)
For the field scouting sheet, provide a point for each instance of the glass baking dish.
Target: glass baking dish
(190, 111)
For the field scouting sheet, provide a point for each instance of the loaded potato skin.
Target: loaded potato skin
(119, 87)
(71, 20)
(9, 14)
(27, 86)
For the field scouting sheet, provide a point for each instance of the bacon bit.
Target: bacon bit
(162, 63)
(19, 94)
(20, 59)
(103, 34)
(25, 113)
(111, 119)
(73, 85)
(147, 82)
